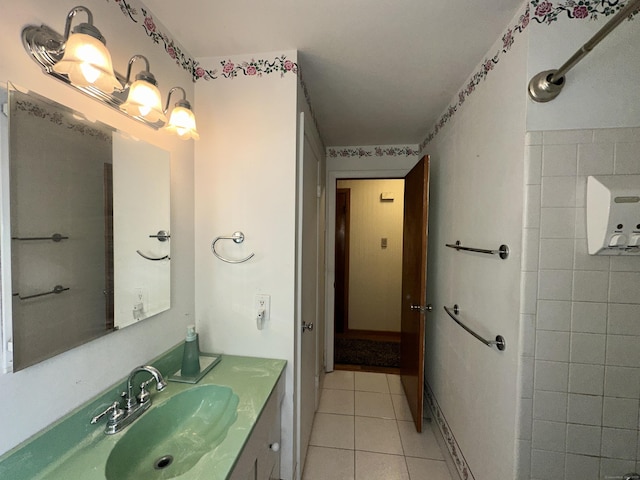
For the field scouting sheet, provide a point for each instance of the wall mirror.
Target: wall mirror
(89, 230)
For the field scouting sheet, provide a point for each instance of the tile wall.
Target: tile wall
(580, 317)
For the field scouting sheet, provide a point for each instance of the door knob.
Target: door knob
(422, 309)
(307, 326)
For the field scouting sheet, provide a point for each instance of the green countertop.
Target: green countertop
(72, 448)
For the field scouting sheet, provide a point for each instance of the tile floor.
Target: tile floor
(363, 431)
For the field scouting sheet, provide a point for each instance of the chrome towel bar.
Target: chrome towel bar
(502, 251)
(56, 237)
(499, 342)
(237, 237)
(153, 259)
(57, 289)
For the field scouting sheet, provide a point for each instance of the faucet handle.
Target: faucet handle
(144, 395)
(114, 411)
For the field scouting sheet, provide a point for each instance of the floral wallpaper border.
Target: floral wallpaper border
(58, 118)
(452, 444)
(542, 12)
(373, 151)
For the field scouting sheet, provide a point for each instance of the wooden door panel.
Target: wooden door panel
(414, 283)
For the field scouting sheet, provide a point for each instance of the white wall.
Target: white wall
(245, 172)
(71, 378)
(375, 273)
(476, 197)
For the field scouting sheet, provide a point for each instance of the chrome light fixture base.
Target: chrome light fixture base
(542, 89)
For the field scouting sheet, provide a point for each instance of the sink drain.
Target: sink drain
(163, 462)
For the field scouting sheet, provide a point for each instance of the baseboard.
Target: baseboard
(456, 463)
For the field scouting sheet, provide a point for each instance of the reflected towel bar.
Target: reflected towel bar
(499, 342)
(56, 237)
(153, 259)
(56, 290)
(502, 252)
(237, 237)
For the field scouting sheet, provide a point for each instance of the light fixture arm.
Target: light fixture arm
(72, 13)
(547, 85)
(180, 103)
(144, 74)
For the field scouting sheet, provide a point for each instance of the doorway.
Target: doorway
(368, 273)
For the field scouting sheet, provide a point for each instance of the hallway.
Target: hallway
(363, 431)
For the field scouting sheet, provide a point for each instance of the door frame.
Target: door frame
(330, 239)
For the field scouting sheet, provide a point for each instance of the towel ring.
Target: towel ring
(237, 237)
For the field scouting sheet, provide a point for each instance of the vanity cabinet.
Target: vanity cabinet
(260, 457)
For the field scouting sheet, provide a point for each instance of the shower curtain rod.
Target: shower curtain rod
(547, 85)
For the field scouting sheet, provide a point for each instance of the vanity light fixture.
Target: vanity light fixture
(81, 55)
(144, 97)
(182, 121)
(80, 59)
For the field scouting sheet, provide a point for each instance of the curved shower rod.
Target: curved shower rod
(547, 85)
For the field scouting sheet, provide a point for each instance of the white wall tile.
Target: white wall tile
(567, 136)
(589, 317)
(555, 284)
(583, 439)
(625, 263)
(557, 222)
(546, 465)
(551, 406)
(532, 194)
(623, 351)
(619, 412)
(554, 315)
(587, 348)
(624, 319)
(582, 467)
(611, 135)
(533, 165)
(549, 435)
(533, 138)
(530, 249)
(523, 460)
(552, 346)
(581, 191)
(528, 292)
(627, 159)
(580, 230)
(551, 376)
(619, 443)
(525, 418)
(586, 379)
(527, 335)
(558, 192)
(595, 159)
(611, 467)
(559, 160)
(590, 286)
(584, 261)
(584, 409)
(527, 369)
(622, 382)
(556, 253)
(625, 287)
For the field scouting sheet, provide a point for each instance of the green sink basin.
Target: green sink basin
(170, 438)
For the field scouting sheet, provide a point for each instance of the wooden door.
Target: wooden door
(341, 304)
(414, 284)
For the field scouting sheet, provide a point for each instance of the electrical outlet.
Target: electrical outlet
(263, 301)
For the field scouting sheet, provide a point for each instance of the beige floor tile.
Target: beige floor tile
(329, 464)
(423, 469)
(336, 401)
(423, 445)
(336, 431)
(377, 435)
(372, 404)
(401, 407)
(371, 382)
(339, 380)
(395, 384)
(377, 466)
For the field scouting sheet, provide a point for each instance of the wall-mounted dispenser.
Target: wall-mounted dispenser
(613, 215)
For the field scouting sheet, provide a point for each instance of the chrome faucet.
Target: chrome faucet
(134, 406)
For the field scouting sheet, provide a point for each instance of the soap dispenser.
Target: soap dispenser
(191, 355)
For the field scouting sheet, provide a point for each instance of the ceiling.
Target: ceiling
(379, 72)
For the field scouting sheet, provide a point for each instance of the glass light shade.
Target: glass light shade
(86, 61)
(182, 122)
(144, 101)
